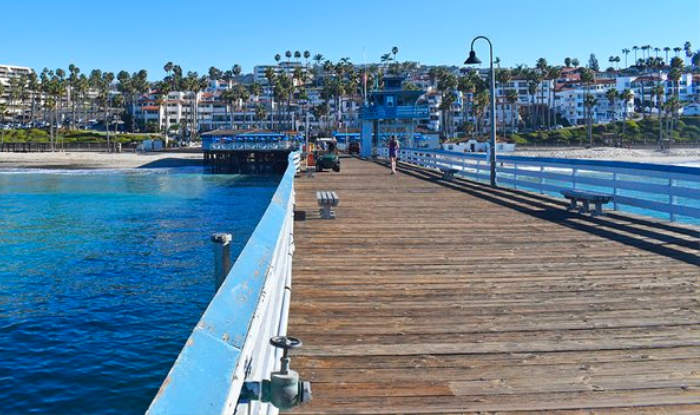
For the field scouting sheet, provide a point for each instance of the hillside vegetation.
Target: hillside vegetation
(72, 136)
(635, 132)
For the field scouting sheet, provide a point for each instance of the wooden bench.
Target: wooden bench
(327, 201)
(586, 197)
(448, 174)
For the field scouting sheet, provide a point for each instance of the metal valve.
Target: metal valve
(284, 390)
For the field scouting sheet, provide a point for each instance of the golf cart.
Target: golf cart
(326, 154)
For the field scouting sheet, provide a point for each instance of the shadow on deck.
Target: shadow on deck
(426, 296)
(663, 238)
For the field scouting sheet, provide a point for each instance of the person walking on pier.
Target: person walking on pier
(393, 152)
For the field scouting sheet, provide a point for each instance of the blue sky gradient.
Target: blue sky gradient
(197, 34)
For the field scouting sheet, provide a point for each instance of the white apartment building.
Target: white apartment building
(8, 72)
(570, 104)
(287, 68)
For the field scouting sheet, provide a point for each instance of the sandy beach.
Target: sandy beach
(99, 160)
(678, 156)
(95, 160)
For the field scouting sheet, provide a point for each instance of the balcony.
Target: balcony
(398, 112)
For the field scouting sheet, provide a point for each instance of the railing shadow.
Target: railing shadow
(618, 227)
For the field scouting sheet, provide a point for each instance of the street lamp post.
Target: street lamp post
(472, 60)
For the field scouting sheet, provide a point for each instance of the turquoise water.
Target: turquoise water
(102, 277)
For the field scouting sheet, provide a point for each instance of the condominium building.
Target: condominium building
(287, 68)
(7, 73)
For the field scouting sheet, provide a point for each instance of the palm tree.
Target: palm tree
(288, 55)
(512, 98)
(105, 84)
(657, 50)
(58, 91)
(163, 88)
(675, 75)
(447, 82)
(229, 98)
(688, 50)
(567, 62)
(625, 52)
(666, 50)
(194, 84)
(260, 114)
(625, 96)
(542, 67)
(277, 58)
(503, 76)
(589, 102)
(658, 93)
(34, 88)
(635, 49)
(297, 54)
(242, 95)
(575, 63)
(611, 95)
(553, 73)
(255, 90)
(677, 50)
(236, 70)
(127, 88)
(168, 67)
(394, 51)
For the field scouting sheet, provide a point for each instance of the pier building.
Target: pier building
(390, 111)
(248, 152)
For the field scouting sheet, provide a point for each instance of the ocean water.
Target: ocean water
(102, 277)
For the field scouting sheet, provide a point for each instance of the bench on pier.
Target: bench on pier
(586, 198)
(327, 201)
(448, 174)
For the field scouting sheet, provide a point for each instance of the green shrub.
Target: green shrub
(517, 139)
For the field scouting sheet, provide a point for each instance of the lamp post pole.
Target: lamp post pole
(492, 145)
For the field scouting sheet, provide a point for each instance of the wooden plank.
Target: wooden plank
(435, 297)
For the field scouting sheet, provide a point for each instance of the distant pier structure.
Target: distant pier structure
(248, 152)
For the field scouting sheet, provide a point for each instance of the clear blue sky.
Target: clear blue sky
(197, 34)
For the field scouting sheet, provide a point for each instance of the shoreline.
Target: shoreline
(83, 160)
(98, 160)
(682, 156)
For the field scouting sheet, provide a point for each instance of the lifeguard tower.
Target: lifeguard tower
(390, 111)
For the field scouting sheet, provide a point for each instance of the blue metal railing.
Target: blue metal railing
(671, 192)
(230, 344)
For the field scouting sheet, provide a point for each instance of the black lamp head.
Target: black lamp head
(472, 59)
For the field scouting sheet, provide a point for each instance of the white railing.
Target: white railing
(672, 192)
(230, 344)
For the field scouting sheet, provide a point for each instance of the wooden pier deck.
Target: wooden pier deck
(442, 298)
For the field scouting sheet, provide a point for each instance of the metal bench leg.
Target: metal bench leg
(598, 209)
(585, 207)
(572, 204)
(326, 212)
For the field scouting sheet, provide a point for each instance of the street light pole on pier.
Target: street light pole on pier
(472, 60)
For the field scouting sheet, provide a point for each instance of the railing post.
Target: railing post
(671, 213)
(222, 257)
